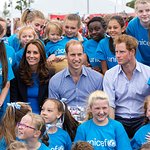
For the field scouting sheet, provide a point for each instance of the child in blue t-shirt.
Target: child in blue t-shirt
(100, 131)
(142, 135)
(57, 116)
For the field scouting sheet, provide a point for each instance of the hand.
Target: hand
(147, 137)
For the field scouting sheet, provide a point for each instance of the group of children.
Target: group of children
(55, 126)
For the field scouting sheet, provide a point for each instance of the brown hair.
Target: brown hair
(42, 70)
(72, 42)
(10, 119)
(74, 17)
(3, 59)
(130, 42)
(29, 15)
(69, 123)
(146, 102)
(82, 145)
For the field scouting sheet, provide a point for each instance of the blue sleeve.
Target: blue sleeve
(134, 143)
(99, 51)
(10, 72)
(80, 134)
(122, 140)
(69, 143)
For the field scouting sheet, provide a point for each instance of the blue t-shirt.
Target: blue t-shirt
(104, 53)
(43, 147)
(32, 94)
(59, 140)
(3, 144)
(108, 137)
(140, 137)
(90, 47)
(14, 41)
(10, 77)
(67, 39)
(136, 30)
(10, 54)
(19, 55)
(57, 48)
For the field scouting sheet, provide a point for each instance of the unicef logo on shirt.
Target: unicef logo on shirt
(111, 143)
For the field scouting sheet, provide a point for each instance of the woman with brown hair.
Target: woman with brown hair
(32, 76)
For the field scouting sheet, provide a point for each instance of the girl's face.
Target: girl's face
(143, 12)
(50, 112)
(96, 30)
(33, 55)
(26, 36)
(100, 111)
(148, 111)
(26, 128)
(114, 29)
(54, 35)
(38, 25)
(71, 28)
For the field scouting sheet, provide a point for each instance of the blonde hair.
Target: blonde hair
(16, 145)
(137, 2)
(56, 25)
(97, 95)
(28, 27)
(94, 96)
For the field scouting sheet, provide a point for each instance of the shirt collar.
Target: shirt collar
(83, 71)
(138, 68)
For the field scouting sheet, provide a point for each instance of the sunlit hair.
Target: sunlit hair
(137, 2)
(130, 42)
(73, 17)
(72, 43)
(17, 145)
(39, 124)
(82, 145)
(25, 28)
(146, 103)
(69, 123)
(30, 15)
(94, 96)
(97, 95)
(42, 70)
(54, 25)
(145, 146)
(10, 119)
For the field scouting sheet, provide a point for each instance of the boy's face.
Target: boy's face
(143, 12)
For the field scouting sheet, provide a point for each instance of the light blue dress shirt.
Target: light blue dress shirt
(127, 96)
(61, 85)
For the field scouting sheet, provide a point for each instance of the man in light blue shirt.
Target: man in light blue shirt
(75, 83)
(127, 85)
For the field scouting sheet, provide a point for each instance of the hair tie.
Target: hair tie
(14, 105)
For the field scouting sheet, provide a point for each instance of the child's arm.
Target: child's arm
(4, 93)
(51, 58)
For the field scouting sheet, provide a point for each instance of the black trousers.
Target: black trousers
(131, 125)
